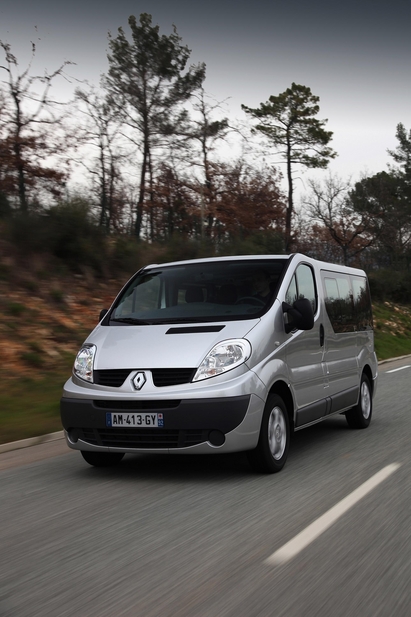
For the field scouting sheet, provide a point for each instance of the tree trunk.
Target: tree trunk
(141, 194)
(103, 195)
(290, 206)
(21, 179)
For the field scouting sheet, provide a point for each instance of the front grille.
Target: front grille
(114, 378)
(161, 376)
(143, 437)
(172, 376)
(136, 405)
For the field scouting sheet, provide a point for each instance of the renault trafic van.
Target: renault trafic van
(223, 355)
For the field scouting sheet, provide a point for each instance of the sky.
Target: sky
(354, 55)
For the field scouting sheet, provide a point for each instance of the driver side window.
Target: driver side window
(302, 286)
(291, 295)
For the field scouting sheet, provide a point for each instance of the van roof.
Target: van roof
(322, 265)
(219, 259)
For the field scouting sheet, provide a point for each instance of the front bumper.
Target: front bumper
(225, 424)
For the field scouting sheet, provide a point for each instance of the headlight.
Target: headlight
(83, 364)
(223, 357)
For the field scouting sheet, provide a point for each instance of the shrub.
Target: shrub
(5, 207)
(75, 238)
(66, 232)
(16, 309)
(261, 243)
(391, 285)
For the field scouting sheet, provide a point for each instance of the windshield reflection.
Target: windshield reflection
(200, 292)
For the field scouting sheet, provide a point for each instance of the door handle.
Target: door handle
(321, 335)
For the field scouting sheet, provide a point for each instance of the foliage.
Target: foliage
(390, 285)
(402, 153)
(5, 207)
(30, 234)
(66, 231)
(247, 200)
(244, 200)
(16, 309)
(257, 243)
(387, 208)
(74, 236)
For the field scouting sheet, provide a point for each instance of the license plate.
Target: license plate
(134, 420)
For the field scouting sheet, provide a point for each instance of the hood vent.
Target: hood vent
(194, 329)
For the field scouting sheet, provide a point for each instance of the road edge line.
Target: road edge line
(31, 441)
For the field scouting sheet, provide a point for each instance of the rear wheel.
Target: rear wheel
(360, 415)
(102, 459)
(272, 449)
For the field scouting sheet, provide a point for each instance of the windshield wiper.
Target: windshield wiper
(132, 320)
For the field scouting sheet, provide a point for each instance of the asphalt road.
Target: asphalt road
(195, 536)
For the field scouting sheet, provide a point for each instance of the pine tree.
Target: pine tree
(288, 122)
(148, 83)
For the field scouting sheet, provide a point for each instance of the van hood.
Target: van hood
(161, 346)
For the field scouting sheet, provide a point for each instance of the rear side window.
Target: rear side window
(347, 302)
(362, 303)
(339, 302)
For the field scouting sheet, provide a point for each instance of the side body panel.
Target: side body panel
(324, 365)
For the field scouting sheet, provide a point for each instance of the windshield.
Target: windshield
(200, 292)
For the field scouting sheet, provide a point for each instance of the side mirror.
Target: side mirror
(103, 313)
(300, 315)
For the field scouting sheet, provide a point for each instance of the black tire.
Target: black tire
(271, 452)
(359, 416)
(102, 459)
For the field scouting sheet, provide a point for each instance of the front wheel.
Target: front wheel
(359, 416)
(272, 449)
(102, 459)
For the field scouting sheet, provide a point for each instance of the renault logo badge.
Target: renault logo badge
(139, 380)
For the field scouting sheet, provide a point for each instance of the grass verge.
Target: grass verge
(30, 407)
(392, 330)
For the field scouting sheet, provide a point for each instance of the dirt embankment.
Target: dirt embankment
(45, 315)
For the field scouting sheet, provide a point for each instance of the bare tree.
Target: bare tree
(28, 117)
(328, 206)
(102, 132)
(204, 131)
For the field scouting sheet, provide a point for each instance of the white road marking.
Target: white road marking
(313, 531)
(394, 370)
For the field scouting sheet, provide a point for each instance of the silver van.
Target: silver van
(223, 355)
